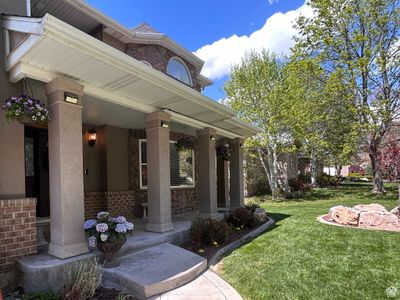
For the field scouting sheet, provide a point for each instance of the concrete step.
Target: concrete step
(155, 270)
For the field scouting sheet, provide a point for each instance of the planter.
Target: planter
(109, 249)
(25, 120)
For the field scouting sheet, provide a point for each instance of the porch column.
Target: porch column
(65, 170)
(236, 174)
(158, 172)
(222, 179)
(207, 173)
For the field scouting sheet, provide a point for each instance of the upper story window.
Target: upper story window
(177, 69)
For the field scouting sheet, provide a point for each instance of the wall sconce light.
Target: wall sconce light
(71, 98)
(164, 124)
(92, 137)
(212, 137)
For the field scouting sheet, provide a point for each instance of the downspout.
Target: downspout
(28, 8)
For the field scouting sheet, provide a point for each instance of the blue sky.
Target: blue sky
(218, 31)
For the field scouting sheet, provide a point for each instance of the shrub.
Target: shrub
(82, 280)
(252, 206)
(325, 180)
(41, 296)
(296, 185)
(207, 231)
(306, 178)
(241, 217)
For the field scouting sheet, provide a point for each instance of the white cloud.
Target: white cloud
(272, 1)
(276, 35)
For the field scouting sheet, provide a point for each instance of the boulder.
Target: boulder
(396, 211)
(377, 218)
(344, 215)
(260, 215)
(370, 207)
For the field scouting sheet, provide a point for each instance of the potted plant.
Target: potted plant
(184, 143)
(224, 152)
(25, 109)
(108, 234)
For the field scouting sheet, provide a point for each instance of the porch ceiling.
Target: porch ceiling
(53, 48)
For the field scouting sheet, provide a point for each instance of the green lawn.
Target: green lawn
(303, 259)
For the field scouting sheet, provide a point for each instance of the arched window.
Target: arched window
(177, 69)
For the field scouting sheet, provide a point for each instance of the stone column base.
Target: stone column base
(68, 251)
(160, 227)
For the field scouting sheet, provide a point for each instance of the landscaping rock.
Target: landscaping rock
(370, 207)
(344, 215)
(260, 214)
(378, 218)
(396, 211)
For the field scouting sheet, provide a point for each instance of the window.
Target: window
(181, 166)
(177, 69)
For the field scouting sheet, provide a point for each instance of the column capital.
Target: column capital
(237, 140)
(155, 119)
(56, 88)
(206, 131)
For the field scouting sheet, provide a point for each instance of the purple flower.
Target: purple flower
(121, 228)
(89, 224)
(129, 226)
(102, 227)
(121, 219)
(92, 241)
(103, 215)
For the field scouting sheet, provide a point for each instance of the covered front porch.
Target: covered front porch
(138, 114)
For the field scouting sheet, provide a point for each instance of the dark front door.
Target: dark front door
(37, 169)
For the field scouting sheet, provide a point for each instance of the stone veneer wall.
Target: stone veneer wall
(182, 199)
(18, 236)
(158, 56)
(115, 202)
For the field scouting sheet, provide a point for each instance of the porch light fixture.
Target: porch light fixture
(71, 98)
(92, 137)
(212, 137)
(164, 124)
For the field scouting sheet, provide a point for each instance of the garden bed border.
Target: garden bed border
(215, 259)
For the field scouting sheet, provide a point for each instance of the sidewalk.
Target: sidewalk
(207, 286)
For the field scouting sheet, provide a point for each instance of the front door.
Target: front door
(37, 168)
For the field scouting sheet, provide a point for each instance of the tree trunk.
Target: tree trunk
(338, 170)
(376, 174)
(313, 169)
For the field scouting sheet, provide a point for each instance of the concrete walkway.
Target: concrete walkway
(208, 286)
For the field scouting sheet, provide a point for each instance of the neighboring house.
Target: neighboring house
(118, 99)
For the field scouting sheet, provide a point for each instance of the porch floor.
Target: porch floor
(43, 272)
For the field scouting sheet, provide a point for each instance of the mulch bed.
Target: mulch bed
(101, 293)
(209, 251)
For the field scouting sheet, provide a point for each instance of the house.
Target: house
(119, 99)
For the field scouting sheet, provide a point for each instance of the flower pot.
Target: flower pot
(25, 120)
(109, 249)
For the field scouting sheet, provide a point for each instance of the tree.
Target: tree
(359, 39)
(324, 124)
(256, 90)
(389, 162)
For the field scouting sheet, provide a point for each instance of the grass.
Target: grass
(302, 258)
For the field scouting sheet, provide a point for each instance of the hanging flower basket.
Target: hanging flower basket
(224, 152)
(184, 143)
(26, 110)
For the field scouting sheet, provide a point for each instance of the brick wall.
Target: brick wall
(17, 231)
(94, 202)
(158, 56)
(116, 203)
